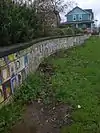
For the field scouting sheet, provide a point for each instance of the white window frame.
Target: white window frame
(90, 17)
(74, 17)
(80, 17)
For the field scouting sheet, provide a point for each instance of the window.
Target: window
(74, 17)
(80, 17)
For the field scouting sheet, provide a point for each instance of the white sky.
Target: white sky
(90, 4)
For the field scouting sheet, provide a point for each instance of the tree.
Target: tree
(55, 5)
(48, 9)
(61, 6)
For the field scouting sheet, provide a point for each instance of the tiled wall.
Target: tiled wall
(15, 67)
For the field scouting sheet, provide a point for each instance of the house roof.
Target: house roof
(89, 11)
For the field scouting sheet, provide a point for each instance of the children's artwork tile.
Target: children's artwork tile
(6, 60)
(5, 74)
(0, 78)
(14, 83)
(2, 62)
(11, 57)
(26, 60)
(7, 89)
(27, 71)
(19, 64)
(24, 74)
(12, 69)
(30, 58)
(17, 55)
(20, 78)
(1, 94)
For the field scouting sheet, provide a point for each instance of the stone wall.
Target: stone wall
(15, 67)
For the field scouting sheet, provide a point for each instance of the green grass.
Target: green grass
(76, 81)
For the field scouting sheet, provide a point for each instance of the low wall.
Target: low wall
(18, 61)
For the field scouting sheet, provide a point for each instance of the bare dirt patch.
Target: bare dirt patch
(39, 118)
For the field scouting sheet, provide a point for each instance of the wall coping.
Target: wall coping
(4, 51)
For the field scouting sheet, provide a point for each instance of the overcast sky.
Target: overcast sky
(90, 4)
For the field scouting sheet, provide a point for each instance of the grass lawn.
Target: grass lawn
(76, 81)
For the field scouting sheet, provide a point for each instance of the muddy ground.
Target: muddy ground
(44, 119)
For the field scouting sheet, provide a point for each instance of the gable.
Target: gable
(77, 10)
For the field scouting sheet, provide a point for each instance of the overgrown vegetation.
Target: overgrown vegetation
(18, 22)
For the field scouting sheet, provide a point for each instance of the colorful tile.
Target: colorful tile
(1, 94)
(24, 74)
(12, 69)
(0, 78)
(11, 57)
(7, 89)
(6, 60)
(19, 64)
(5, 74)
(26, 60)
(20, 80)
(2, 62)
(14, 83)
(27, 71)
(17, 55)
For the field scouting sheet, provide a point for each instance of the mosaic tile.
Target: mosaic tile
(19, 64)
(5, 74)
(26, 60)
(14, 83)
(12, 69)
(19, 78)
(24, 74)
(1, 94)
(7, 89)
(2, 62)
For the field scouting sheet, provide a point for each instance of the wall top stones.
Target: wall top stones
(4, 51)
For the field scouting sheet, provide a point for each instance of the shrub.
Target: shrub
(60, 32)
(68, 31)
(18, 23)
(78, 31)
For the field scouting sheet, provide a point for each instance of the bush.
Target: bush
(78, 31)
(18, 23)
(60, 32)
(68, 31)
